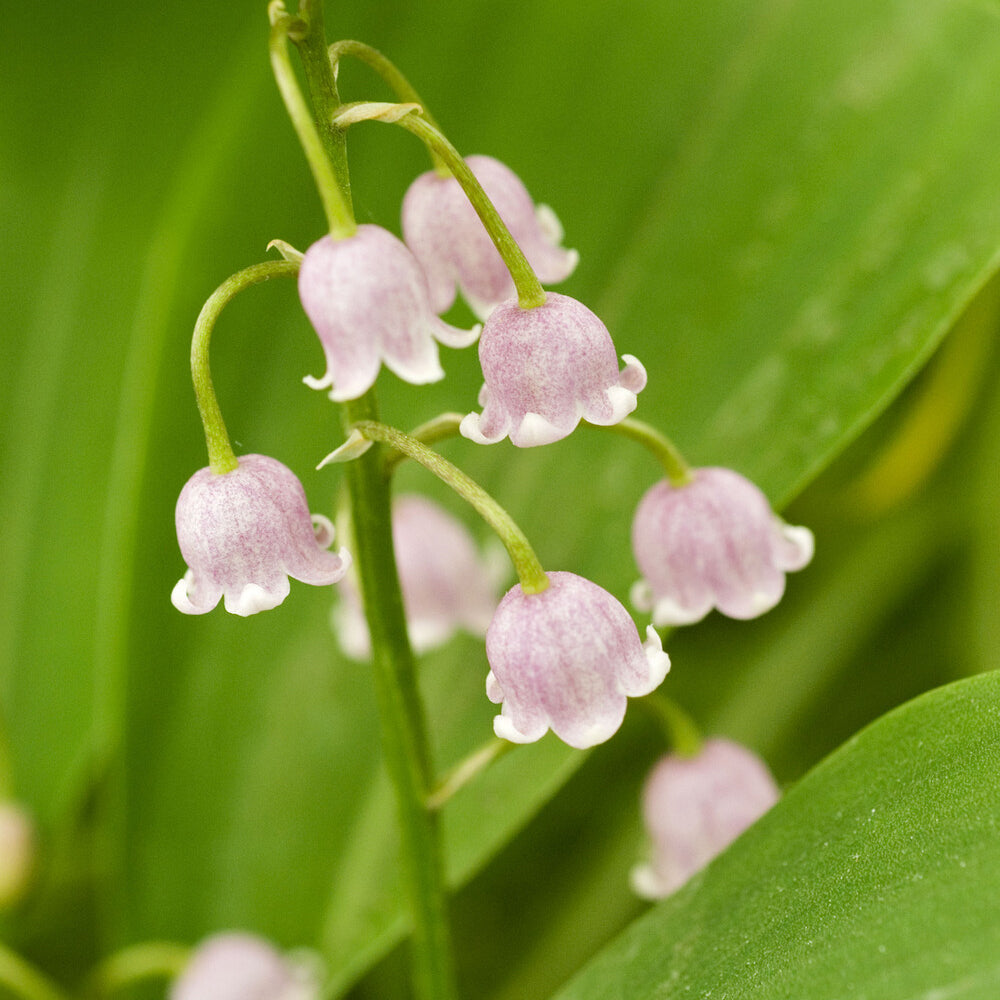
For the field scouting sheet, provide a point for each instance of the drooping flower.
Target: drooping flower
(446, 235)
(367, 299)
(566, 659)
(17, 852)
(243, 533)
(547, 368)
(695, 807)
(713, 542)
(446, 584)
(238, 966)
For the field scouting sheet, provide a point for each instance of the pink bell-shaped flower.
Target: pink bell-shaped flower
(446, 235)
(236, 966)
(243, 533)
(446, 584)
(695, 807)
(367, 299)
(567, 659)
(545, 369)
(712, 542)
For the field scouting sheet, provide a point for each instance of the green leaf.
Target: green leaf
(875, 876)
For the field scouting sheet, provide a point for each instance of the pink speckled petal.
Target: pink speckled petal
(369, 302)
(243, 533)
(712, 543)
(544, 370)
(446, 235)
(446, 584)
(566, 660)
(694, 807)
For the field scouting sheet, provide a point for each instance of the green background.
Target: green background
(781, 208)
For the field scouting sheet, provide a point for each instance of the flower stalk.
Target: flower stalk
(526, 564)
(404, 737)
(135, 964)
(24, 980)
(339, 216)
(660, 446)
(221, 457)
(529, 289)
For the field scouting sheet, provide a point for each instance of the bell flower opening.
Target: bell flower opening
(713, 542)
(368, 301)
(546, 369)
(244, 533)
(567, 659)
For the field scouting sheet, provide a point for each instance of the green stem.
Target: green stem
(385, 68)
(529, 570)
(465, 770)
(149, 960)
(24, 980)
(530, 293)
(404, 739)
(322, 84)
(439, 428)
(339, 216)
(680, 729)
(221, 457)
(662, 448)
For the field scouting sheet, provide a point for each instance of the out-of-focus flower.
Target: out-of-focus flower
(17, 853)
(713, 542)
(238, 966)
(446, 235)
(694, 807)
(244, 533)
(567, 659)
(446, 584)
(367, 299)
(545, 369)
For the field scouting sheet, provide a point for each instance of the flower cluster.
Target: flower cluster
(563, 653)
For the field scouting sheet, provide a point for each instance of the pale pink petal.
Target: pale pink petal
(566, 659)
(368, 300)
(446, 235)
(694, 807)
(244, 533)
(446, 584)
(18, 850)
(238, 966)
(712, 542)
(545, 369)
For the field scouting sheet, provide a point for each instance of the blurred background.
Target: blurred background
(789, 214)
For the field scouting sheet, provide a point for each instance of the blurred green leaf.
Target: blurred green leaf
(875, 876)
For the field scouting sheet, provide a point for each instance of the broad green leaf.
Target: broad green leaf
(875, 876)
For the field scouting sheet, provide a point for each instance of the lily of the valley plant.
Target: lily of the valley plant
(561, 652)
